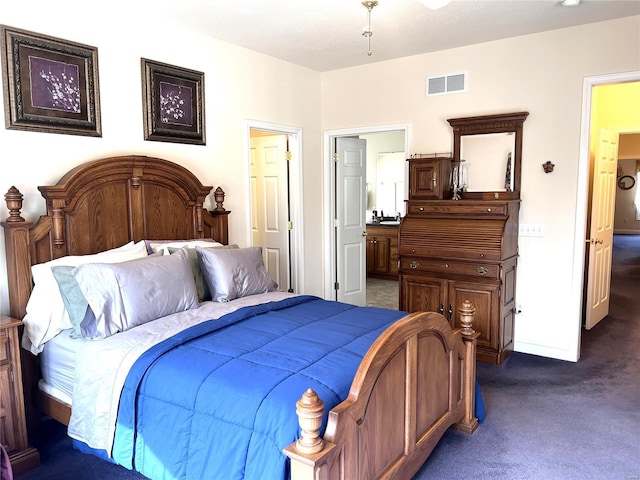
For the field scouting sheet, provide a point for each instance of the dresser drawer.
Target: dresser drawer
(459, 208)
(433, 266)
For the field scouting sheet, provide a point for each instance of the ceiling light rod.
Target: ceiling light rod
(367, 31)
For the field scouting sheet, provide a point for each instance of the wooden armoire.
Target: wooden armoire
(465, 249)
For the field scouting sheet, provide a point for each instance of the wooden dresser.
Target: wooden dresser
(13, 431)
(452, 251)
(455, 250)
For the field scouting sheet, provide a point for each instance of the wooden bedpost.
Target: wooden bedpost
(470, 423)
(216, 222)
(16, 242)
(312, 458)
(18, 256)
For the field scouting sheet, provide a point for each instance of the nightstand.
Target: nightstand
(13, 433)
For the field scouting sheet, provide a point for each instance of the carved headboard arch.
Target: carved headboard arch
(103, 204)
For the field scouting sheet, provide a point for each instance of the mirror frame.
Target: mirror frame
(502, 123)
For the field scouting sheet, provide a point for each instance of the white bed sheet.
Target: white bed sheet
(102, 366)
(58, 365)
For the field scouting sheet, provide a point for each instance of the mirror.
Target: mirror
(490, 155)
(390, 183)
(386, 173)
(490, 148)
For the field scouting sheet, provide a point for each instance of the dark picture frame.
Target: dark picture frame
(50, 84)
(173, 103)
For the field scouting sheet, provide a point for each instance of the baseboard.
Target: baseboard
(543, 351)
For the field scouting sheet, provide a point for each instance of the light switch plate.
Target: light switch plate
(531, 230)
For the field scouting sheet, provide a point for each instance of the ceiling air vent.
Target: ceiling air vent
(450, 83)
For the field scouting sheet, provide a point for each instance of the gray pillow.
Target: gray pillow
(74, 301)
(234, 273)
(201, 285)
(124, 295)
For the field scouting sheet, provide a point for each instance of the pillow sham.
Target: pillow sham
(234, 273)
(74, 300)
(46, 314)
(201, 286)
(162, 245)
(124, 295)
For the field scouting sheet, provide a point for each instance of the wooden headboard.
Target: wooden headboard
(104, 204)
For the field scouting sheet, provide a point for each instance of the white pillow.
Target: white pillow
(46, 315)
(163, 245)
(124, 295)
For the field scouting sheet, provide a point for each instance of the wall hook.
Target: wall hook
(548, 167)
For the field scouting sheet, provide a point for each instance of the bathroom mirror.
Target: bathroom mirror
(390, 183)
(490, 148)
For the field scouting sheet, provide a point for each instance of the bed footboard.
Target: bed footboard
(416, 381)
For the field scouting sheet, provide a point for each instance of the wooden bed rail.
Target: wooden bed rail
(360, 430)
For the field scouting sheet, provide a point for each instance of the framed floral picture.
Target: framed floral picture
(50, 84)
(173, 103)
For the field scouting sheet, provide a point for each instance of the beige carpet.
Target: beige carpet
(382, 293)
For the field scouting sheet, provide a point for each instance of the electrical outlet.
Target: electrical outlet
(531, 230)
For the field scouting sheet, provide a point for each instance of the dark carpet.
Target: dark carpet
(546, 419)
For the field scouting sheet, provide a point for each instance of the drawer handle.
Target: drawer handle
(421, 209)
(414, 265)
(482, 271)
(489, 210)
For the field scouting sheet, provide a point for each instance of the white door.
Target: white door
(269, 190)
(350, 220)
(600, 241)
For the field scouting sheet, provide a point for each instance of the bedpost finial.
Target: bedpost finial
(310, 409)
(218, 195)
(467, 312)
(13, 197)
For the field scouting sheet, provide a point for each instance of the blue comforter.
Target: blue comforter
(217, 401)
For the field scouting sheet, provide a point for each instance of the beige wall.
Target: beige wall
(239, 85)
(542, 74)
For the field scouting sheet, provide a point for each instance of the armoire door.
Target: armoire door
(422, 294)
(485, 297)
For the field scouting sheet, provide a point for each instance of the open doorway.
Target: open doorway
(621, 123)
(274, 160)
(385, 139)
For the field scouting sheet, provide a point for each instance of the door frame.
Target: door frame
(584, 179)
(295, 193)
(329, 191)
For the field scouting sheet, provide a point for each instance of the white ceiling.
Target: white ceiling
(327, 34)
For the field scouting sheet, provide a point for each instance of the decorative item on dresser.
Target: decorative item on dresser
(416, 379)
(451, 251)
(13, 434)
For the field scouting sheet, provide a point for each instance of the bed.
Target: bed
(411, 377)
